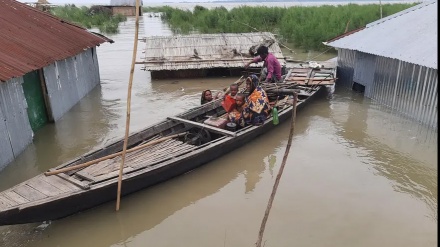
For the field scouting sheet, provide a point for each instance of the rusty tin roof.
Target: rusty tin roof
(31, 39)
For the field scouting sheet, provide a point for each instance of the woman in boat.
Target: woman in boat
(257, 103)
(208, 97)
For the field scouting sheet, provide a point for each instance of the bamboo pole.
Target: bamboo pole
(280, 173)
(127, 123)
(89, 163)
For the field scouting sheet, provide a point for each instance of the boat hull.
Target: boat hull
(68, 204)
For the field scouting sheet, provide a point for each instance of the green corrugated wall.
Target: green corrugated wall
(35, 100)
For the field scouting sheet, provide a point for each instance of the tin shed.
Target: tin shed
(394, 61)
(46, 66)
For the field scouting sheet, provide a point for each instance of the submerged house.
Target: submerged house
(394, 61)
(123, 7)
(200, 55)
(46, 66)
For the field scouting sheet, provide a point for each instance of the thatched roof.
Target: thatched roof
(202, 51)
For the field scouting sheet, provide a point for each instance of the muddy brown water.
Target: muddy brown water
(357, 174)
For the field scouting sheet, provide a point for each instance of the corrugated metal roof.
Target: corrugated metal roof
(410, 36)
(31, 39)
(199, 51)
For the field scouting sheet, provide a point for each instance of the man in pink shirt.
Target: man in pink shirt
(271, 65)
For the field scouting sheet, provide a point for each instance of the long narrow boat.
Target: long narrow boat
(151, 161)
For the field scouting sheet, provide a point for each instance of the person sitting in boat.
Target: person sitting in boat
(271, 67)
(257, 107)
(208, 97)
(236, 115)
(233, 90)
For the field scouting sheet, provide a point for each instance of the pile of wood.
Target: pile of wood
(311, 76)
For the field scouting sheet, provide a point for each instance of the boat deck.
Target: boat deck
(41, 186)
(311, 76)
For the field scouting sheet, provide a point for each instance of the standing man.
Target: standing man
(272, 68)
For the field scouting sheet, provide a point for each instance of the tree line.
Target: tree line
(305, 27)
(95, 16)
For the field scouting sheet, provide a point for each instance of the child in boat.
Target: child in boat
(233, 89)
(229, 99)
(236, 115)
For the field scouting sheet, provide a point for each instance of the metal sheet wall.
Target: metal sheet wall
(364, 71)
(69, 80)
(407, 88)
(6, 154)
(15, 130)
(345, 70)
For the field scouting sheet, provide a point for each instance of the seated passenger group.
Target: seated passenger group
(250, 107)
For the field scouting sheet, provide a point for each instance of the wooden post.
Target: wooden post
(127, 122)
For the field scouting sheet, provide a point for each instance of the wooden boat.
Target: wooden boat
(151, 161)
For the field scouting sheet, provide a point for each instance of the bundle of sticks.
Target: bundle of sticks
(277, 89)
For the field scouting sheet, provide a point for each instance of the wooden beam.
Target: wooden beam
(78, 183)
(197, 60)
(205, 126)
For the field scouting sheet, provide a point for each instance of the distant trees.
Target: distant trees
(305, 27)
(95, 16)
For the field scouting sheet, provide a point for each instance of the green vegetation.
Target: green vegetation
(94, 16)
(305, 27)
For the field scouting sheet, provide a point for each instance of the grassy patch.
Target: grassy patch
(94, 16)
(305, 27)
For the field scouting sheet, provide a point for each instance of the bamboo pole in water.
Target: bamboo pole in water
(127, 123)
(280, 173)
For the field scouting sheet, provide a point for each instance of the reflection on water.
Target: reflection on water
(357, 173)
(398, 154)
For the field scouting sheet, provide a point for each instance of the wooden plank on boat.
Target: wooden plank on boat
(311, 83)
(43, 187)
(112, 174)
(3, 205)
(85, 175)
(214, 129)
(98, 166)
(29, 193)
(297, 78)
(60, 183)
(298, 74)
(300, 70)
(15, 197)
(80, 184)
(5, 202)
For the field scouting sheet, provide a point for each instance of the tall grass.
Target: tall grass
(305, 27)
(94, 16)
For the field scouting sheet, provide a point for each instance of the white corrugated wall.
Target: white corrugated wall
(69, 80)
(405, 87)
(15, 130)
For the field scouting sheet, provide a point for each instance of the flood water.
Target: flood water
(357, 174)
